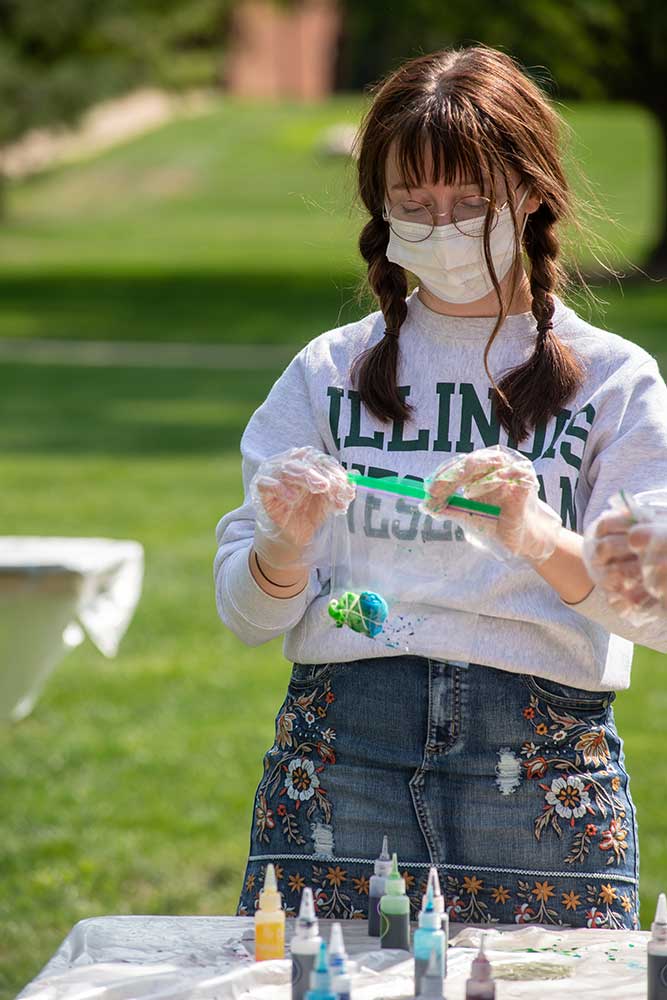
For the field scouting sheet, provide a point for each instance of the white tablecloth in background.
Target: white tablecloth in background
(52, 590)
(175, 958)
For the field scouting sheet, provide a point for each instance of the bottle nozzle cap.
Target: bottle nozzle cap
(395, 884)
(434, 881)
(429, 917)
(320, 978)
(322, 965)
(270, 883)
(336, 942)
(660, 921)
(384, 853)
(306, 922)
(382, 865)
(434, 885)
(269, 897)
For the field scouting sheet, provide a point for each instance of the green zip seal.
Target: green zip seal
(406, 488)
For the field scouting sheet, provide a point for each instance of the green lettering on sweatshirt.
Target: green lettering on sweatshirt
(398, 442)
(473, 411)
(568, 507)
(581, 433)
(445, 391)
(355, 439)
(335, 395)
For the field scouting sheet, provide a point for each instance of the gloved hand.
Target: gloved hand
(497, 475)
(613, 564)
(293, 494)
(649, 542)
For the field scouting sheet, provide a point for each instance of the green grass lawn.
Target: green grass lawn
(129, 788)
(234, 227)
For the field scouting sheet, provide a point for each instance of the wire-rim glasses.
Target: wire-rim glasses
(468, 216)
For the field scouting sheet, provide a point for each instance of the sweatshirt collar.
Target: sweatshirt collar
(518, 325)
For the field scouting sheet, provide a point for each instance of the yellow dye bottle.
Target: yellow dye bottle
(269, 920)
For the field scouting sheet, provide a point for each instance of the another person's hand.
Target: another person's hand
(649, 542)
(293, 494)
(614, 565)
(503, 477)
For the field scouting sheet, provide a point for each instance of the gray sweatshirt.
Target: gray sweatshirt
(613, 434)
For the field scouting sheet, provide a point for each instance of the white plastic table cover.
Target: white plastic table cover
(51, 590)
(174, 958)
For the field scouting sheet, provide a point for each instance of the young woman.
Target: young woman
(503, 768)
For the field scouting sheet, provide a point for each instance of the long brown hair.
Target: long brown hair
(480, 115)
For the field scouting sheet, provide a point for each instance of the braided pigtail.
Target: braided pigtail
(374, 371)
(538, 388)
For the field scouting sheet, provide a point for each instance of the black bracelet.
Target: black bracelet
(284, 586)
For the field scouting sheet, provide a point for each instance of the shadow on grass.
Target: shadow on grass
(153, 412)
(242, 308)
(126, 411)
(196, 308)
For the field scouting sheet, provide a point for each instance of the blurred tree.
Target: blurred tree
(58, 58)
(641, 75)
(563, 35)
(583, 49)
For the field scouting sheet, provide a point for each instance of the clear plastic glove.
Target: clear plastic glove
(649, 542)
(615, 566)
(498, 475)
(293, 494)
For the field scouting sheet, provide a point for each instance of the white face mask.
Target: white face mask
(452, 265)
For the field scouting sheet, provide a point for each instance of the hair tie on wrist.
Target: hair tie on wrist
(283, 586)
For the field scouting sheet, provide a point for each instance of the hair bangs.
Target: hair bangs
(456, 155)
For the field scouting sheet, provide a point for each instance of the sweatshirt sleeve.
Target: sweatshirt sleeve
(629, 451)
(285, 420)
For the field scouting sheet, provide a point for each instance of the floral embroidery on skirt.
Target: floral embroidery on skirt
(570, 761)
(540, 763)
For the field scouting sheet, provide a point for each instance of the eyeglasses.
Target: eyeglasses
(414, 222)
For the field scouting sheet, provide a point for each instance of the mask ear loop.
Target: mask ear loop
(525, 218)
(526, 214)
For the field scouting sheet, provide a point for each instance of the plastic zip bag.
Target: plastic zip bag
(396, 570)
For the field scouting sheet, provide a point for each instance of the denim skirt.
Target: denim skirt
(513, 786)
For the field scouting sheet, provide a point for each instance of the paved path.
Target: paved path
(121, 354)
(131, 354)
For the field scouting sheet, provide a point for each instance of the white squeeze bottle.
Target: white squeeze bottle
(340, 978)
(657, 953)
(305, 945)
(382, 867)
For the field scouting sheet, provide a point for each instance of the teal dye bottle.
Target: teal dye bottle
(428, 938)
(320, 978)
